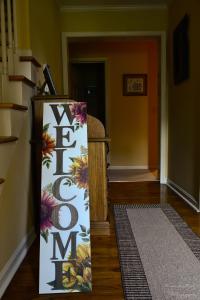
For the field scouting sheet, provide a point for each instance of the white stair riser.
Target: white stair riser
(18, 92)
(11, 122)
(28, 69)
(5, 122)
(27, 93)
(6, 152)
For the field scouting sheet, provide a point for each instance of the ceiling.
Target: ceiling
(82, 3)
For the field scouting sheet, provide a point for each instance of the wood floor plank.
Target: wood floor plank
(105, 262)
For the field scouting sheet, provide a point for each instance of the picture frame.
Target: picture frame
(181, 51)
(134, 84)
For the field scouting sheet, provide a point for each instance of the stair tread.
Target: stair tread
(30, 59)
(7, 139)
(22, 78)
(13, 106)
(2, 180)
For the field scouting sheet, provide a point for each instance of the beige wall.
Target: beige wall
(38, 30)
(127, 115)
(123, 20)
(45, 36)
(184, 105)
(16, 202)
(23, 24)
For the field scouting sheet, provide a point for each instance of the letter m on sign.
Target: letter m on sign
(65, 256)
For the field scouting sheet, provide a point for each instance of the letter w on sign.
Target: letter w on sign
(65, 256)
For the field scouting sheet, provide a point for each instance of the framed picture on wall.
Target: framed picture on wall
(181, 51)
(134, 84)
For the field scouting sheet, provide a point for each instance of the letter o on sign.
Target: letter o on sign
(55, 216)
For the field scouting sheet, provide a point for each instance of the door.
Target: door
(87, 83)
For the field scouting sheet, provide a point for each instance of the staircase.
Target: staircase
(18, 78)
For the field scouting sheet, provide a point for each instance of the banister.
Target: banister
(3, 38)
(10, 37)
(10, 51)
(15, 39)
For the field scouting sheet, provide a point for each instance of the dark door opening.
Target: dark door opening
(87, 83)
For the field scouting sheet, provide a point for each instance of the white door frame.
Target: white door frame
(163, 83)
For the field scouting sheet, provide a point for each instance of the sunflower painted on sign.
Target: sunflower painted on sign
(48, 146)
(79, 173)
(79, 170)
(76, 274)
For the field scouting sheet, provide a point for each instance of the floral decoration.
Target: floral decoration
(46, 209)
(76, 274)
(48, 145)
(79, 170)
(78, 111)
(85, 233)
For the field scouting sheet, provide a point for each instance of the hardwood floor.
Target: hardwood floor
(105, 263)
(132, 175)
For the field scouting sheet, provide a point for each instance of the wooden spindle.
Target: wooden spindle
(3, 39)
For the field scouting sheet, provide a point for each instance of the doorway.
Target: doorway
(163, 107)
(87, 83)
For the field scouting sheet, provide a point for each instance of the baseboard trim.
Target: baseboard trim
(183, 194)
(15, 261)
(128, 167)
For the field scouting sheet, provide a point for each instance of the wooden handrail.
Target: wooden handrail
(97, 140)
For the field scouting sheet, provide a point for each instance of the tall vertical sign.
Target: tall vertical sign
(65, 256)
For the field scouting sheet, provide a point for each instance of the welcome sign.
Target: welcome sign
(65, 256)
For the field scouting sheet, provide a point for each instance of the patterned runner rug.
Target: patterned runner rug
(159, 254)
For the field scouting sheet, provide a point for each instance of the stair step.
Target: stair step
(2, 180)
(30, 59)
(13, 106)
(7, 139)
(23, 79)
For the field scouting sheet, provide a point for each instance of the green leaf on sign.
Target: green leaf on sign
(83, 234)
(45, 235)
(85, 239)
(83, 228)
(46, 127)
(84, 150)
(86, 206)
(48, 188)
(85, 194)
